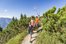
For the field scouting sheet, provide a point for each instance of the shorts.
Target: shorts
(30, 30)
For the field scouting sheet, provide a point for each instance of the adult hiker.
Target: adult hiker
(31, 26)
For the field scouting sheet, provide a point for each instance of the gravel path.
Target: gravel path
(27, 40)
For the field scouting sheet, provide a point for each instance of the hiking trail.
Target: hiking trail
(27, 39)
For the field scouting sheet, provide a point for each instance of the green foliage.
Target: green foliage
(51, 38)
(49, 12)
(21, 17)
(55, 28)
(0, 29)
(58, 10)
(14, 27)
(17, 39)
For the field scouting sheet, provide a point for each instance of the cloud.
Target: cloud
(5, 16)
(5, 13)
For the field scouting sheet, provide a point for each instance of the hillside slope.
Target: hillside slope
(17, 39)
(54, 29)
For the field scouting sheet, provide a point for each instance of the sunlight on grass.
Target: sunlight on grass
(17, 39)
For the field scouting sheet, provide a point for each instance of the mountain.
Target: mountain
(4, 22)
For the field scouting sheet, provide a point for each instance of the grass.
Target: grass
(51, 38)
(18, 38)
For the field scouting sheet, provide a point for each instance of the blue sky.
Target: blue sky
(10, 8)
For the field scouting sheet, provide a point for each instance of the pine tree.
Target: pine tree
(13, 18)
(25, 16)
(58, 10)
(0, 29)
(21, 17)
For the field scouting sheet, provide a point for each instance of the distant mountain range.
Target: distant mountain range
(4, 22)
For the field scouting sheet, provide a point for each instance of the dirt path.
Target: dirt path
(27, 40)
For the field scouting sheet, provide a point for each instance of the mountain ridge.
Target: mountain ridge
(4, 22)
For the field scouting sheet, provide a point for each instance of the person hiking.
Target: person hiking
(31, 26)
(38, 24)
(37, 21)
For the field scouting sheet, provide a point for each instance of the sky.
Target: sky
(10, 8)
